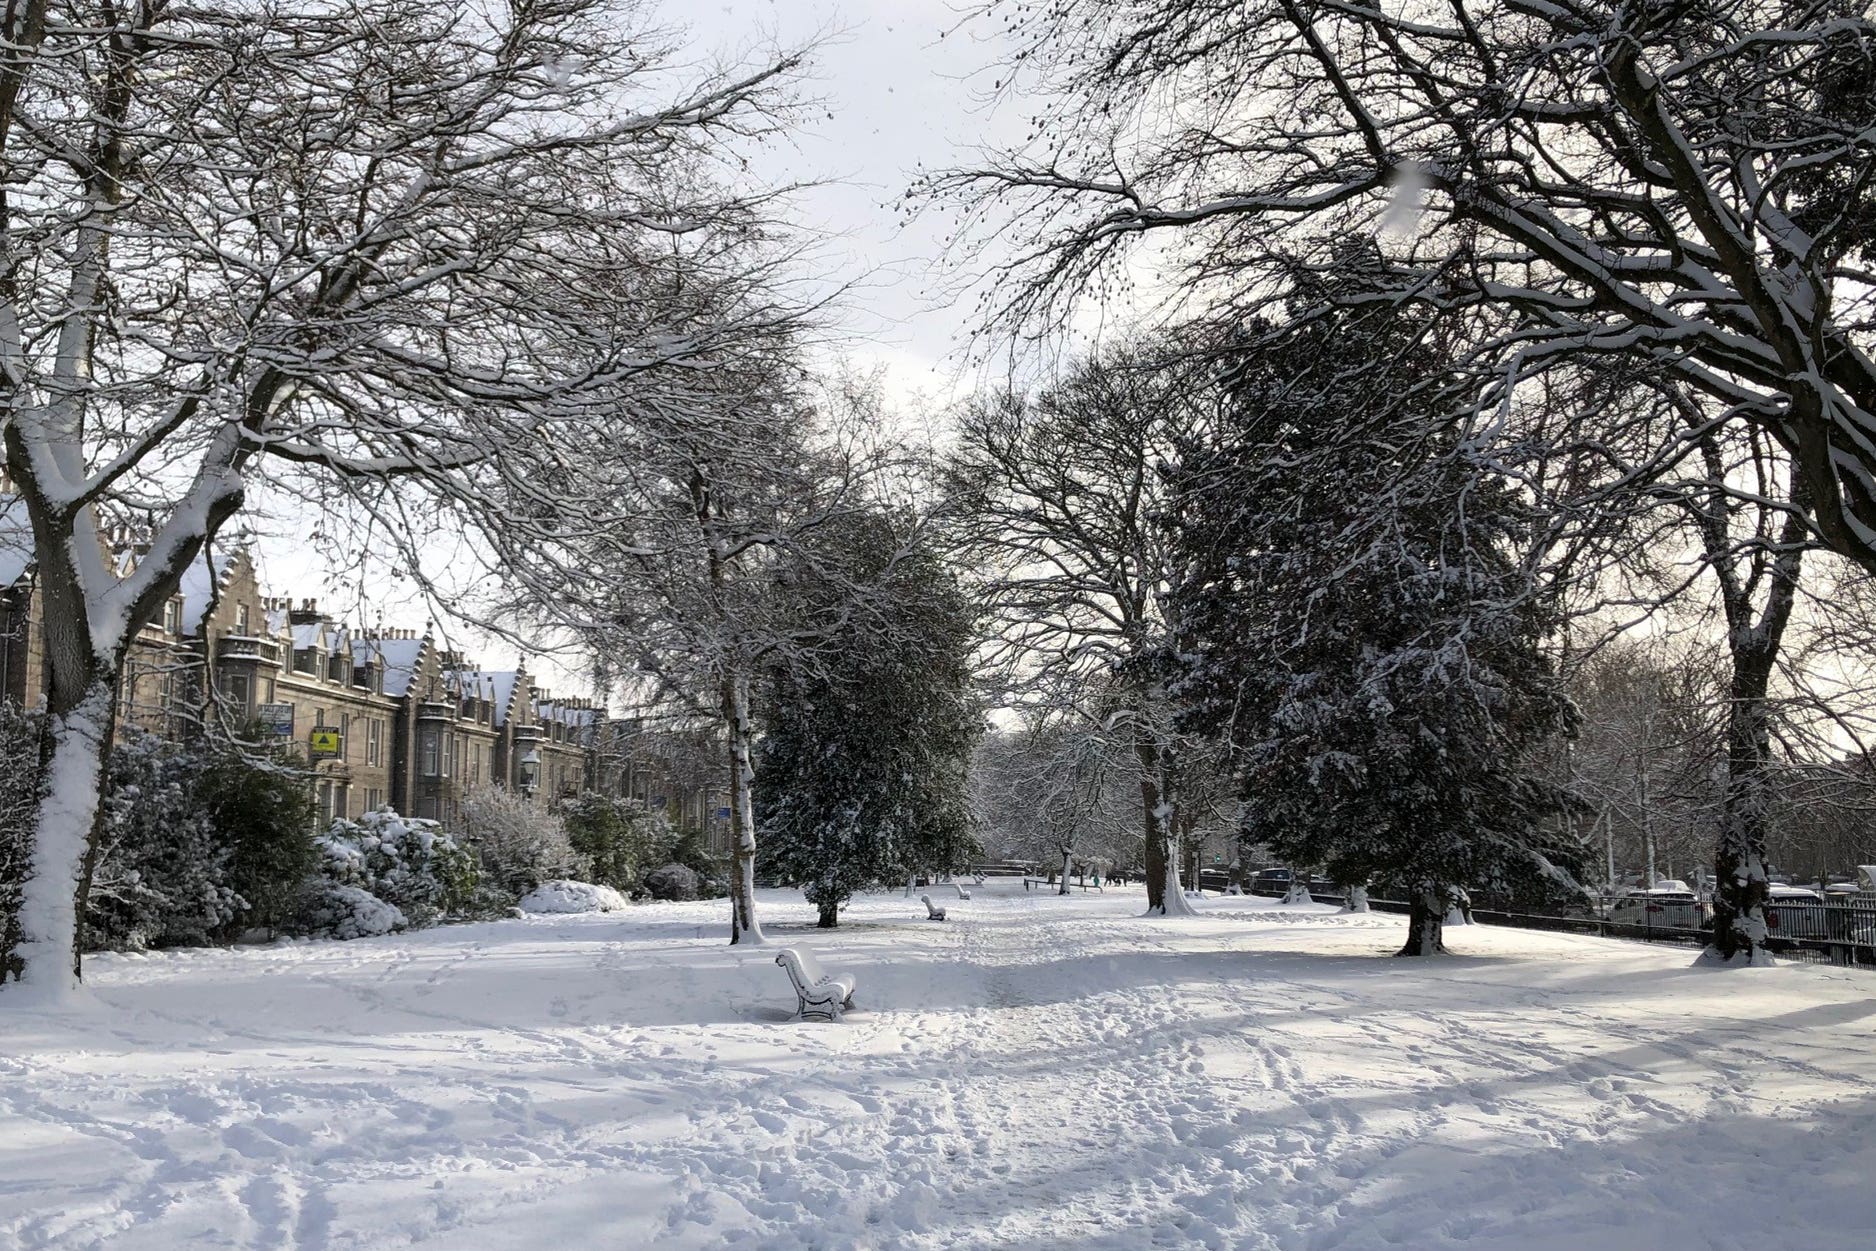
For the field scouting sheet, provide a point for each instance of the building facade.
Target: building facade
(384, 717)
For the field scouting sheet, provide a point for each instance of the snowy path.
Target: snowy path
(1038, 1073)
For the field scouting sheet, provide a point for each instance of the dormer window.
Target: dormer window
(305, 660)
(338, 668)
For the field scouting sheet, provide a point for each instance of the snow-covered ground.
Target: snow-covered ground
(1037, 1072)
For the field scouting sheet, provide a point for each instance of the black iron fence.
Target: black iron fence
(1821, 933)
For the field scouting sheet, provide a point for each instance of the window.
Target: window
(374, 742)
(429, 753)
(449, 755)
(325, 804)
(241, 618)
(172, 618)
(239, 687)
(305, 660)
(337, 668)
(374, 799)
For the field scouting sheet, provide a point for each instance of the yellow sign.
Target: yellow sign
(328, 742)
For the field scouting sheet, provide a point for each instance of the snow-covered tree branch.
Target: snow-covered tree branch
(336, 240)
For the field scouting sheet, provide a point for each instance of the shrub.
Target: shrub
(162, 875)
(19, 791)
(672, 881)
(406, 862)
(713, 874)
(619, 839)
(519, 843)
(552, 897)
(262, 810)
(334, 910)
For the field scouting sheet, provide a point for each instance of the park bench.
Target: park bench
(958, 887)
(932, 911)
(817, 992)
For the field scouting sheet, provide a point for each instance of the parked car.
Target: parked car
(1271, 882)
(1795, 912)
(1668, 905)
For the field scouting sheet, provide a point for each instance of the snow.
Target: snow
(48, 915)
(502, 684)
(1040, 1072)
(16, 540)
(400, 658)
(563, 896)
(201, 580)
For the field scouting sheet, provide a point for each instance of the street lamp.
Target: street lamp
(530, 770)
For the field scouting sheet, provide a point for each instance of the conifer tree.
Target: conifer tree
(1356, 626)
(861, 775)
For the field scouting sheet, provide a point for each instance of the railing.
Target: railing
(1819, 933)
(246, 647)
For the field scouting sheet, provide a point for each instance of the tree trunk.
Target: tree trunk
(1065, 864)
(73, 746)
(1162, 844)
(1741, 885)
(830, 913)
(744, 928)
(1357, 900)
(1153, 847)
(1425, 922)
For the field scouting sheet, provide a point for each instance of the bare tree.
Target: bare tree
(315, 240)
(1060, 499)
(663, 533)
(1045, 791)
(1688, 186)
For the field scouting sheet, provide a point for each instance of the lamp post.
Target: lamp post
(530, 771)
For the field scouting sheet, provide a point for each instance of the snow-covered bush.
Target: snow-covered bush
(519, 843)
(672, 881)
(407, 862)
(565, 896)
(262, 809)
(334, 910)
(618, 838)
(162, 875)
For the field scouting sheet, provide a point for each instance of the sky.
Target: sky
(895, 87)
(901, 87)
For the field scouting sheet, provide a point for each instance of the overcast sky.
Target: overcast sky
(902, 85)
(899, 85)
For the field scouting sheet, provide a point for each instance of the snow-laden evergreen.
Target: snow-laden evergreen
(1358, 628)
(861, 776)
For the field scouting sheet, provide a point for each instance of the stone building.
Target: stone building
(383, 717)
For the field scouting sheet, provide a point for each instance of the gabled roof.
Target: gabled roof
(503, 683)
(201, 583)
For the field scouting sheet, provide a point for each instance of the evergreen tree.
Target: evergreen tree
(1356, 626)
(862, 772)
(263, 812)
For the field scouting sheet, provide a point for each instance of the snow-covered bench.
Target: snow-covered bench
(817, 992)
(959, 888)
(932, 911)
